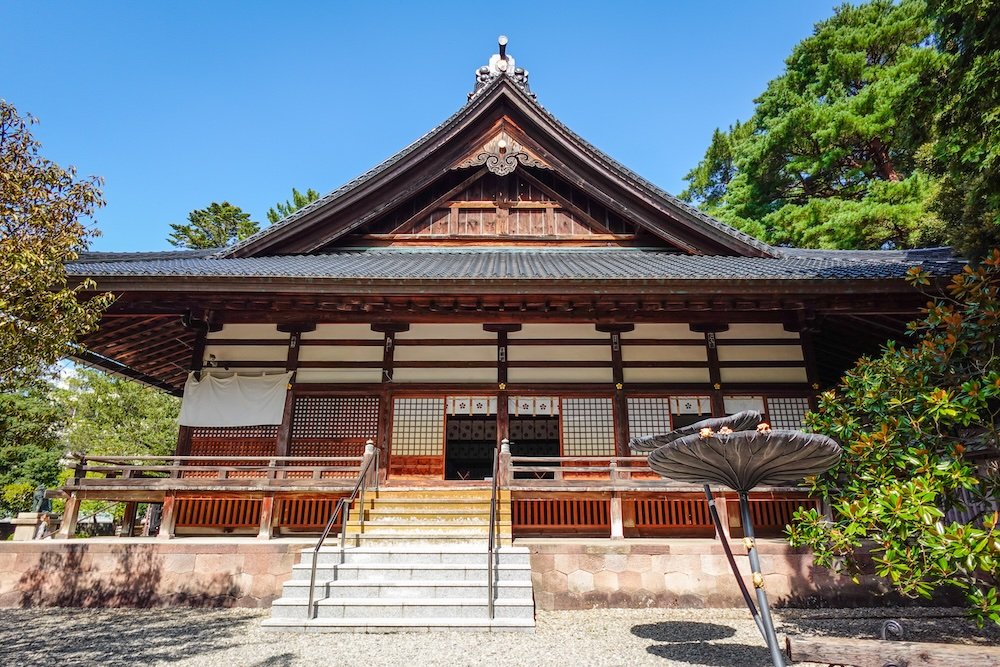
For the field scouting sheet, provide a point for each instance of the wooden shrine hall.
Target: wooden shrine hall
(498, 279)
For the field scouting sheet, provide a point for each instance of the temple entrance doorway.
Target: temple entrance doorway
(470, 438)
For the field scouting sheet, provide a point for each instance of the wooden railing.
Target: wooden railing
(189, 471)
(573, 471)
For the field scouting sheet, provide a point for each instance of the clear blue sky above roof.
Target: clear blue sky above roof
(178, 105)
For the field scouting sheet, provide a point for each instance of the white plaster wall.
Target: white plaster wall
(664, 353)
(763, 375)
(666, 375)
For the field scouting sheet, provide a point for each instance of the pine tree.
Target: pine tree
(284, 209)
(216, 226)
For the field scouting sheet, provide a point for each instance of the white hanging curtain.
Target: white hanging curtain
(237, 400)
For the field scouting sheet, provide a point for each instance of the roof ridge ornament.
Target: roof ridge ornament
(501, 64)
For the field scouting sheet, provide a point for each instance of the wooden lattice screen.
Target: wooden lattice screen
(417, 437)
(232, 441)
(218, 512)
(675, 517)
(333, 426)
(770, 515)
(580, 516)
(307, 514)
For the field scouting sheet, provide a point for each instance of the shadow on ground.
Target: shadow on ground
(96, 637)
(689, 641)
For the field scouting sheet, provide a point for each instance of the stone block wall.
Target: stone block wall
(144, 573)
(678, 573)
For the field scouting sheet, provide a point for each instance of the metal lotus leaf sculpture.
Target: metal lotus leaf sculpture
(741, 421)
(741, 453)
(743, 460)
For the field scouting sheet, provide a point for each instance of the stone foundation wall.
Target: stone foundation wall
(679, 573)
(145, 573)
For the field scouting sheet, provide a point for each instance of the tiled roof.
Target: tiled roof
(524, 264)
(620, 170)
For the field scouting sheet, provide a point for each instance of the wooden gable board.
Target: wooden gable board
(418, 167)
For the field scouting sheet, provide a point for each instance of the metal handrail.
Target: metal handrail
(342, 509)
(491, 540)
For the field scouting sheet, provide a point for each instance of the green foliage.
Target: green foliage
(968, 150)
(30, 447)
(216, 226)
(909, 421)
(832, 156)
(41, 208)
(113, 416)
(286, 208)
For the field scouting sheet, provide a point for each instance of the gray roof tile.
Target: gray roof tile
(523, 264)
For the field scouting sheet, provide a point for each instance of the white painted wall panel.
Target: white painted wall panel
(438, 374)
(442, 353)
(340, 353)
(559, 353)
(560, 375)
(559, 331)
(743, 330)
(662, 331)
(438, 331)
(344, 332)
(666, 375)
(763, 375)
(223, 353)
(664, 353)
(335, 375)
(248, 331)
(760, 353)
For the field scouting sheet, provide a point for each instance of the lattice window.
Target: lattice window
(234, 432)
(588, 427)
(648, 416)
(418, 427)
(787, 412)
(335, 417)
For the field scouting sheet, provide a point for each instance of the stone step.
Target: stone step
(407, 572)
(396, 526)
(465, 509)
(479, 493)
(417, 554)
(426, 588)
(405, 608)
(429, 538)
(390, 625)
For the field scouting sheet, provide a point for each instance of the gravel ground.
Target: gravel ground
(632, 637)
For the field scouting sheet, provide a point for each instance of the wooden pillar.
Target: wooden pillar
(390, 329)
(710, 329)
(128, 519)
(503, 413)
(71, 513)
(806, 326)
(618, 376)
(283, 443)
(168, 517)
(266, 517)
(722, 507)
(197, 362)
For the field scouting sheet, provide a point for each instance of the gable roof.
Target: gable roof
(427, 159)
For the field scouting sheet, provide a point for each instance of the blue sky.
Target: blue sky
(180, 104)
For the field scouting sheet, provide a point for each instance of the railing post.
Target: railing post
(370, 472)
(504, 472)
(617, 525)
(266, 517)
(168, 517)
(71, 512)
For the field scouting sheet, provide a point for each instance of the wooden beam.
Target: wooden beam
(439, 202)
(877, 653)
(620, 401)
(284, 439)
(715, 373)
(563, 201)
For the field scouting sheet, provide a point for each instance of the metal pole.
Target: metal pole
(758, 582)
(732, 561)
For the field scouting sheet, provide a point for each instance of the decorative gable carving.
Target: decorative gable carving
(501, 155)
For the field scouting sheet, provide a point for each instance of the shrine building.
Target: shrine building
(498, 279)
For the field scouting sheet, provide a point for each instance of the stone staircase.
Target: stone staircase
(418, 563)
